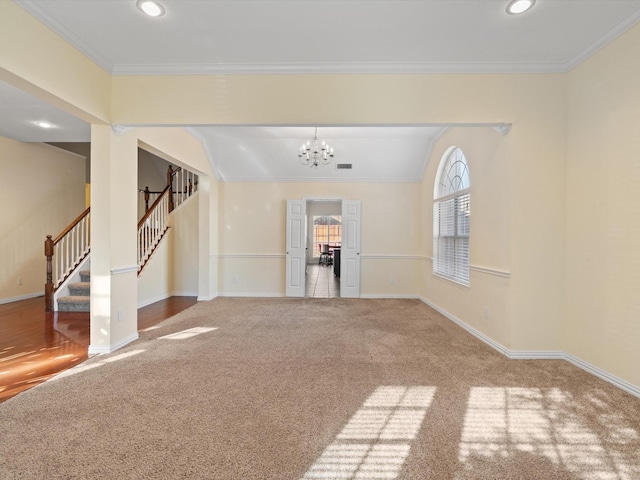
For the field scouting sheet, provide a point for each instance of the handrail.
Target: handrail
(146, 190)
(153, 205)
(71, 225)
(64, 253)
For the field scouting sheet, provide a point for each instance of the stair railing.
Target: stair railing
(186, 185)
(64, 254)
(154, 223)
(152, 227)
(146, 198)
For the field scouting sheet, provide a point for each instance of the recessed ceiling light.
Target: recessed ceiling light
(150, 7)
(516, 7)
(44, 124)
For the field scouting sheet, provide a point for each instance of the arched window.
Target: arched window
(451, 217)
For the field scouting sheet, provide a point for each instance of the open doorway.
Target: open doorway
(324, 241)
(344, 268)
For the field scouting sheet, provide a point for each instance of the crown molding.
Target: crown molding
(338, 68)
(66, 34)
(604, 40)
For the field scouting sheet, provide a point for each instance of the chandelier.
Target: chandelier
(314, 153)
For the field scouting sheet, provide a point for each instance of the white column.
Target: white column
(114, 287)
(207, 238)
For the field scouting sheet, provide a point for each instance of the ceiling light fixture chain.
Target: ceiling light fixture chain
(314, 153)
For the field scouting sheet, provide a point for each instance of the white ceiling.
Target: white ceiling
(196, 36)
(270, 153)
(19, 111)
(287, 36)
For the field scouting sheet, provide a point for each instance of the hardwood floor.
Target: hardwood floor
(35, 345)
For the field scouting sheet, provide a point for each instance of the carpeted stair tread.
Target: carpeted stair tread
(79, 289)
(74, 298)
(79, 298)
(74, 303)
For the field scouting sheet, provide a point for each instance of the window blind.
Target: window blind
(451, 237)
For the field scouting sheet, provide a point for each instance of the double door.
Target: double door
(296, 241)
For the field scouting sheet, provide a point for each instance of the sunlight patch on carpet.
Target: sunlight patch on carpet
(503, 422)
(191, 332)
(388, 420)
(84, 367)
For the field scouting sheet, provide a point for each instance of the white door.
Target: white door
(350, 252)
(296, 248)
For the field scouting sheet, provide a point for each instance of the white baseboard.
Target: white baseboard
(184, 294)
(150, 301)
(386, 295)
(476, 333)
(606, 376)
(540, 354)
(252, 294)
(21, 297)
(536, 354)
(207, 298)
(159, 298)
(98, 349)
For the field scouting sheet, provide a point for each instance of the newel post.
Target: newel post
(48, 287)
(170, 185)
(147, 196)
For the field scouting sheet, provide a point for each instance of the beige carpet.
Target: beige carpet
(318, 389)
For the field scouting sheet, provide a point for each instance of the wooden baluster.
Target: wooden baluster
(48, 287)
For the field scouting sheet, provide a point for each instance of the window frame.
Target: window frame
(329, 236)
(451, 232)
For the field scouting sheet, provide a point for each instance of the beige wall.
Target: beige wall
(484, 304)
(344, 99)
(173, 267)
(252, 234)
(185, 260)
(42, 192)
(602, 268)
(155, 281)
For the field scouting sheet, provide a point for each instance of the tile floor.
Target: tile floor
(321, 282)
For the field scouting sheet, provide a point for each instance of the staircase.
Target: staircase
(79, 295)
(66, 253)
